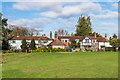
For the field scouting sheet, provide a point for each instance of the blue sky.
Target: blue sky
(51, 16)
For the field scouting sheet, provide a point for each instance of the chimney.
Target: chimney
(105, 35)
(50, 34)
(61, 34)
(95, 35)
(17, 34)
(72, 34)
(55, 34)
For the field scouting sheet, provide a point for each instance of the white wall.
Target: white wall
(59, 46)
(18, 43)
(106, 44)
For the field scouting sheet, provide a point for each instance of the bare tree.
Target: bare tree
(62, 32)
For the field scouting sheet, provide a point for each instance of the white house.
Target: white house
(16, 41)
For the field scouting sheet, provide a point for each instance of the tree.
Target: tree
(110, 39)
(114, 42)
(23, 31)
(73, 44)
(5, 33)
(84, 26)
(23, 46)
(32, 44)
(93, 34)
(115, 36)
(62, 32)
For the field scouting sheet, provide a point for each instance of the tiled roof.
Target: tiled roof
(71, 37)
(56, 42)
(29, 38)
(99, 39)
(102, 39)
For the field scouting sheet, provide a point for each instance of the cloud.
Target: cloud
(73, 10)
(109, 25)
(108, 15)
(23, 6)
(37, 23)
(115, 5)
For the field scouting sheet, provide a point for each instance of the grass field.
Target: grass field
(61, 65)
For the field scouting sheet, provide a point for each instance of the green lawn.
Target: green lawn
(61, 65)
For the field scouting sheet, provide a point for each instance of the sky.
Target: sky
(51, 16)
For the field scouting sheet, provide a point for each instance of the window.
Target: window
(77, 40)
(87, 40)
(93, 40)
(13, 41)
(62, 40)
(65, 40)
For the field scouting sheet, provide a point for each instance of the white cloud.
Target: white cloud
(50, 14)
(37, 23)
(109, 25)
(38, 6)
(78, 9)
(108, 15)
(115, 5)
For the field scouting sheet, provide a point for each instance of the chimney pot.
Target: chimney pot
(95, 35)
(50, 34)
(105, 35)
(55, 34)
(72, 34)
(17, 34)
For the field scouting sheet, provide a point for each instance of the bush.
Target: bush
(88, 50)
(43, 49)
(110, 49)
(17, 50)
(6, 51)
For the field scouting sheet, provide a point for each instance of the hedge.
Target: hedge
(110, 49)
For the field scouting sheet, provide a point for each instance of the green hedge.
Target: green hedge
(110, 49)
(43, 49)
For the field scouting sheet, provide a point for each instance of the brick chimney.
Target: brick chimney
(105, 35)
(50, 34)
(95, 35)
(17, 34)
(55, 34)
(72, 34)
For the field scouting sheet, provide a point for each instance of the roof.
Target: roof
(71, 37)
(29, 38)
(56, 42)
(102, 39)
(99, 39)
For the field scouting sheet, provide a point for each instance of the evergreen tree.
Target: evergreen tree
(32, 44)
(23, 46)
(110, 39)
(115, 36)
(84, 26)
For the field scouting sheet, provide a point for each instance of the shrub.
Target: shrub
(43, 49)
(88, 50)
(32, 44)
(23, 46)
(110, 49)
